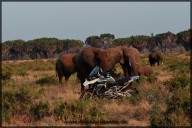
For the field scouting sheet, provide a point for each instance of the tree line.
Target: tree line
(38, 48)
(53, 47)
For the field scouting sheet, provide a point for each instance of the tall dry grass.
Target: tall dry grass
(56, 103)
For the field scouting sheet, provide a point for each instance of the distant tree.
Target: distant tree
(184, 39)
(15, 48)
(163, 40)
(121, 41)
(102, 36)
(50, 47)
(107, 39)
(94, 41)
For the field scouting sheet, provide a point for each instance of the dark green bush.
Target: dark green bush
(18, 101)
(40, 110)
(47, 81)
(177, 81)
(180, 100)
(152, 79)
(178, 105)
(70, 110)
(134, 99)
(174, 66)
(94, 111)
(59, 110)
(6, 75)
(24, 95)
(168, 119)
(80, 110)
(157, 117)
(142, 79)
(39, 93)
(179, 65)
(8, 104)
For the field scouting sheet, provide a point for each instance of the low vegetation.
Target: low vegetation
(31, 95)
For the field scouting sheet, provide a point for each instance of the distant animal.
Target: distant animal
(145, 71)
(65, 66)
(155, 57)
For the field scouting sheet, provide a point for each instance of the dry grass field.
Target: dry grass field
(31, 96)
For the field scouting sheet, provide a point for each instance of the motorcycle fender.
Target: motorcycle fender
(87, 82)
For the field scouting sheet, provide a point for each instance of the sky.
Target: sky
(79, 20)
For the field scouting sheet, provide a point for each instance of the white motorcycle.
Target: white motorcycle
(106, 86)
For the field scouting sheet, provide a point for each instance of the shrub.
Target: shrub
(71, 109)
(178, 106)
(180, 100)
(6, 74)
(157, 117)
(134, 99)
(18, 101)
(59, 110)
(142, 79)
(179, 64)
(8, 104)
(173, 67)
(177, 81)
(176, 118)
(152, 79)
(39, 93)
(24, 98)
(40, 110)
(46, 80)
(93, 113)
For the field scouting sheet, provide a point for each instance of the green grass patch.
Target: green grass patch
(40, 110)
(16, 102)
(47, 81)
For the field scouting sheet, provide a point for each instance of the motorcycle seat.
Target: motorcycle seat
(122, 81)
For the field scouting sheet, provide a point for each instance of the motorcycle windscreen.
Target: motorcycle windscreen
(94, 72)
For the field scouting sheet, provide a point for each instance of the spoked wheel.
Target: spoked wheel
(115, 93)
(132, 91)
(111, 94)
